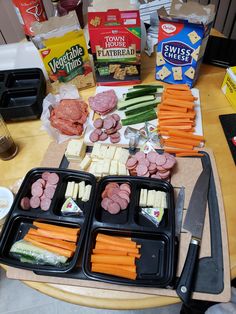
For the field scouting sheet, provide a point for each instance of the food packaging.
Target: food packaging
(63, 49)
(182, 39)
(229, 86)
(115, 40)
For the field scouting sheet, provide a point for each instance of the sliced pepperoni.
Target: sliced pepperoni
(45, 175)
(151, 156)
(93, 137)
(37, 190)
(115, 140)
(140, 155)
(141, 170)
(45, 204)
(113, 208)
(131, 162)
(25, 203)
(34, 202)
(53, 178)
(125, 187)
(98, 123)
(116, 117)
(49, 191)
(124, 195)
(160, 159)
(103, 136)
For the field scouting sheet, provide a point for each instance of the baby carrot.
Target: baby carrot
(51, 227)
(184, 140)
(51, 248)
(172, 108)
(131, 268)
(105, 246)
(59, 243)
(186, 135)
(180, 97)
(111, 259)
(53, 235)
(189, 154)
(114, 271)
(115, 240)
(178, 103)
(110, 252)
(179, 145)
(178, 87)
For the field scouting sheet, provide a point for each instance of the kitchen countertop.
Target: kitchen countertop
(33, 143)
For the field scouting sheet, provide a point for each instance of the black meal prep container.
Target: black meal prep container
(156, 267)
(22, 92)
(19, 221)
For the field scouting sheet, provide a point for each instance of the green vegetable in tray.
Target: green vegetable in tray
(140, 92)
(160, 87)
(144, 106)
(124, 104)
(27, 252)
(139, 118)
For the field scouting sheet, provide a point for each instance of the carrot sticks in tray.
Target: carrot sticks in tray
(115, 256)
(176, 122)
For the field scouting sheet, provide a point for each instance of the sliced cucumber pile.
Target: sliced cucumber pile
(139, 103)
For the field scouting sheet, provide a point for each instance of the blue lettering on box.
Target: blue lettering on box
(177, 53)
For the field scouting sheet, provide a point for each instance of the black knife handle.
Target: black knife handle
(186, 280)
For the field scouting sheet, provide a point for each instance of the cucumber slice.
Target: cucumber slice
(123, 104)
(140, 92)
(135, 87)
(144, 106)
(139, 118)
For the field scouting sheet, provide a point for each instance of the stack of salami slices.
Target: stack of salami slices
(152, 165)
(116, 197)
(69, 116)
(107, 127)
(103, 102)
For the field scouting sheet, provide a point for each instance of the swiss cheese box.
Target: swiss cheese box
(115, 40)
(180, 48)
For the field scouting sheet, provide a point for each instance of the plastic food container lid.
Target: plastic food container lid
(6, 200)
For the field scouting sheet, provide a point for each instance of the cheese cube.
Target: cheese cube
(103, 151)
(69, 189)
(121, 169)
(106, 167)
(86, 196)
(85, 163)
(150, 198)
(158, 199)
(96, 150)
(81, 189)
(92, 168)
(110, 153)
(99, 168)
(75, 150)
(75, 191)
(113, 171)
(118, 153)
(124, 156)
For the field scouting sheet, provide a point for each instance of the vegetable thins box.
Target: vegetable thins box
(180, 48)
(115, 39)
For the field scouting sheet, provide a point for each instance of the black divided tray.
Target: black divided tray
(19, 221)
(21, 93)
(156, 265)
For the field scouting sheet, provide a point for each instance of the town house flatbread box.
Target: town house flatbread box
(115, 40)
(182, 39)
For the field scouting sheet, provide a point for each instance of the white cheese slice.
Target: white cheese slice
(69, 189)
(124, 156)
(163, 200)
(118, 153)
(106, 166)
(150, 198)
(113, 171)
(99, 168)
(96, 150)
(121, 169)
(145, 194)
(81, 189)
(158, 199)
(86, 196)
(141, 198)
(75, 150)
(103, 151)
(85, 163)
(110, 152)
(92, 167)
(75, 191)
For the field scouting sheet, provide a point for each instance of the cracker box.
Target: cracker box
(229, 86)
(180, 48)
(115, 40)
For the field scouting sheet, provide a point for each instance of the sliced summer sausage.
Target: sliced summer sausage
(25, 203)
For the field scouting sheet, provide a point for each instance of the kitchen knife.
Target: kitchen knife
(194, 222)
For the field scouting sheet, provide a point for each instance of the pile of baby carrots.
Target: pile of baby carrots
(176, 121)
(115, 256)
(56, 239)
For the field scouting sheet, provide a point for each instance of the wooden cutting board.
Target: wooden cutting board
(214, 255)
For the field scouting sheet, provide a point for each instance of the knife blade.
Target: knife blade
(194, 222)
(179, 211)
